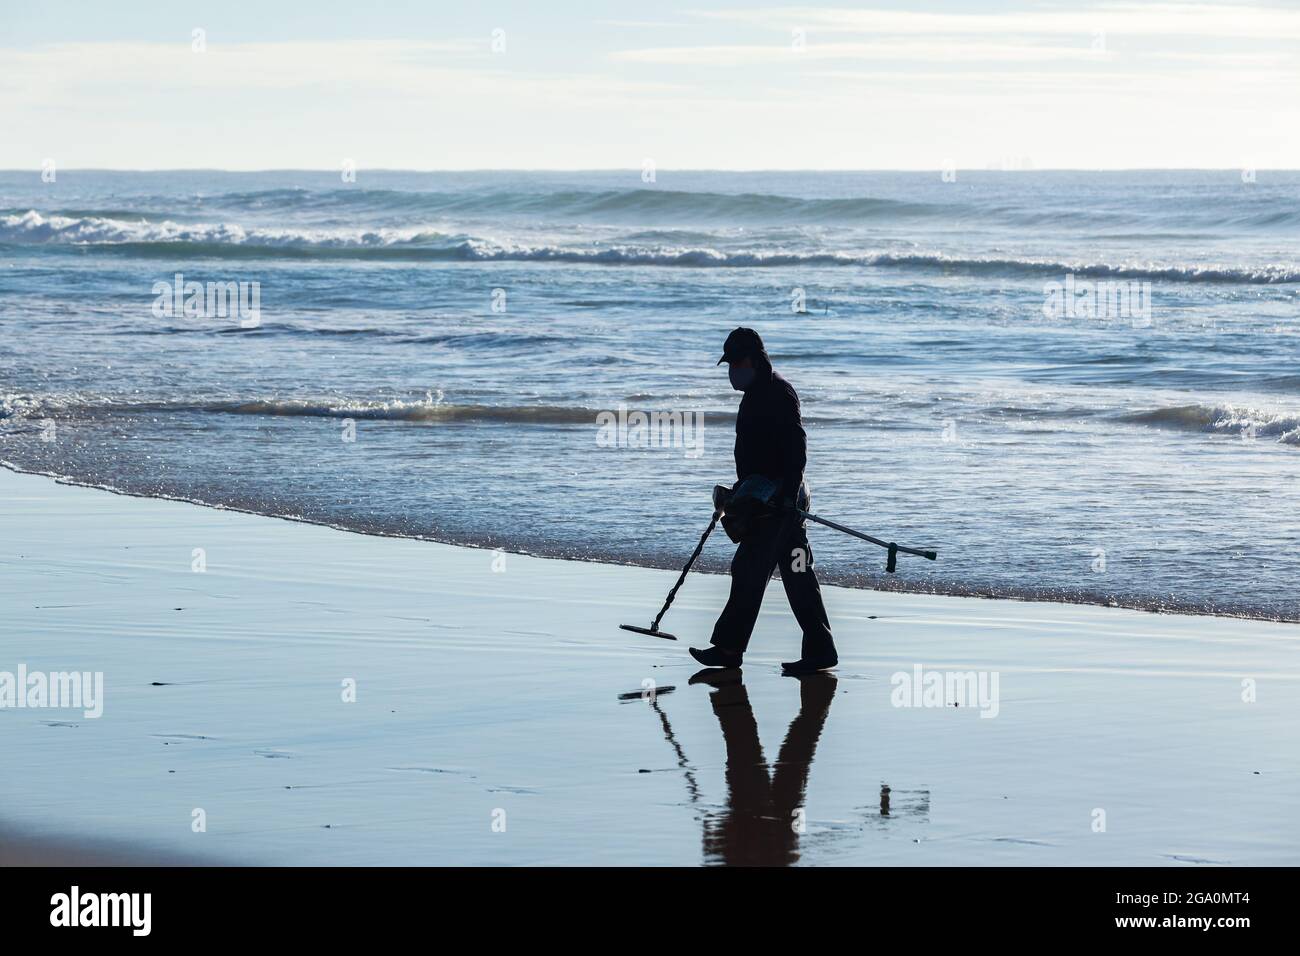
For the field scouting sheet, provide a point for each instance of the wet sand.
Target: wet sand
(500, 716)
(35, 848)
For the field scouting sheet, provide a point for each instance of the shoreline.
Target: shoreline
(1175, 608)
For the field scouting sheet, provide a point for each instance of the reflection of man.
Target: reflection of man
(758, 826)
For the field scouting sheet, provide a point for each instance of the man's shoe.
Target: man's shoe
(802, 668)
(714, 656)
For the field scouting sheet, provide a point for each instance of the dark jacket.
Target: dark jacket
(770, 439)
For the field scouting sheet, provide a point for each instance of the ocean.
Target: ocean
(1076, 386)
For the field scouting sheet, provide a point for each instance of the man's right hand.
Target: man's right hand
(721, 496)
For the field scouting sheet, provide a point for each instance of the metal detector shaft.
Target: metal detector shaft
(890, 546)
(682, 577)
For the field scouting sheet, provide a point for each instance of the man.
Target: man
(771, 450)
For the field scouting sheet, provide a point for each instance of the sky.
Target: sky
(310, 84)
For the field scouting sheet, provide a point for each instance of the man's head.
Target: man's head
(742, 344)
(744, 353)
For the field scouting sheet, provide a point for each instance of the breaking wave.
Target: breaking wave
(612, 205)
(431, 409)
(1222, 419)
(654, 205)
(170, 239)
(33, 228)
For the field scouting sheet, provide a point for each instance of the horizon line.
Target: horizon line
(658, 169)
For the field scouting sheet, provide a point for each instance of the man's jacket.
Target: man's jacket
(770, 439)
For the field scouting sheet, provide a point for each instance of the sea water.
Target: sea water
(1076, 386)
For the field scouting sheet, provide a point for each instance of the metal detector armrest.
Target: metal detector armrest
(893, 548)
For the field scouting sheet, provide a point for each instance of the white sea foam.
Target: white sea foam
(424, 242)
(33, 227)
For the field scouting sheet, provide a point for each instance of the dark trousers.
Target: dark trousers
(779, 541)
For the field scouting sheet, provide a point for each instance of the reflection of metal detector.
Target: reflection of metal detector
(652, 699)
(692, 786)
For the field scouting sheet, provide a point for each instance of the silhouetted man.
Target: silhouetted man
(771, 451)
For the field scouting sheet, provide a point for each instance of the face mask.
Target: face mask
(741, 378)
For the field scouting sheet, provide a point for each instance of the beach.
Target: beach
(314, 696)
